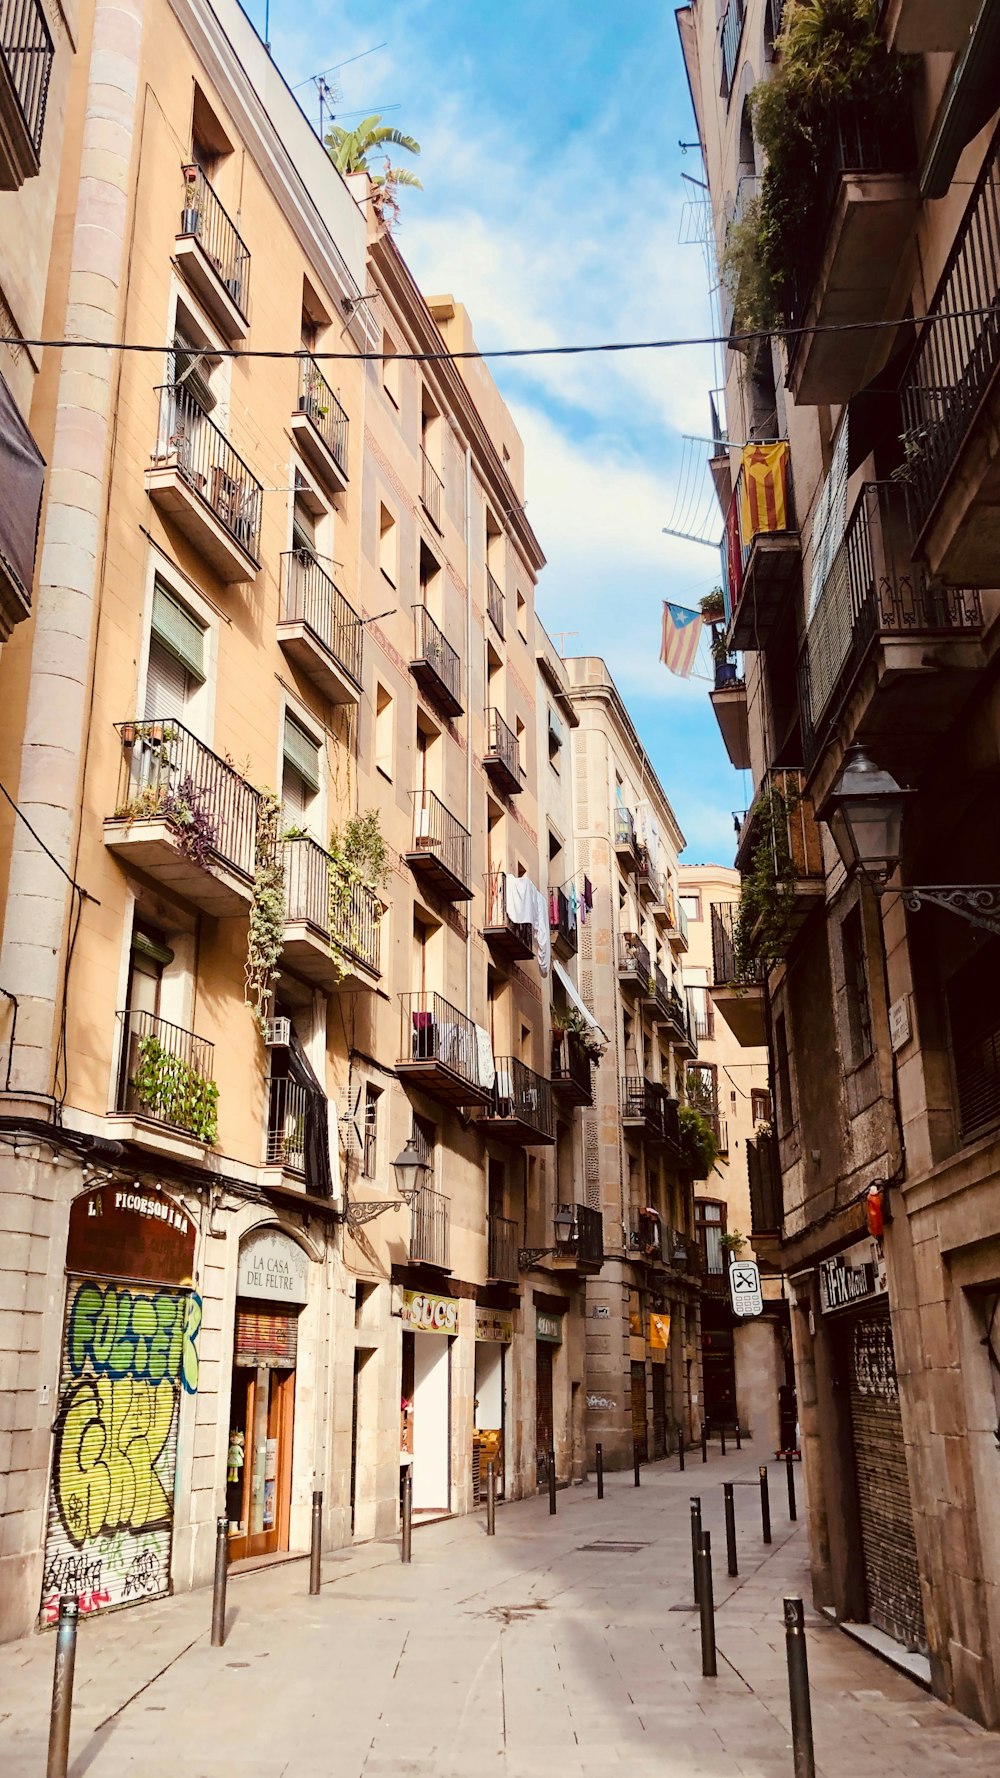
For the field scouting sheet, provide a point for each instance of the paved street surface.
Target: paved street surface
(533, 1654)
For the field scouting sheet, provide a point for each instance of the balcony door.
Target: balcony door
(147, 961)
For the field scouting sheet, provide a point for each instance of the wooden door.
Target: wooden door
(263, 1409)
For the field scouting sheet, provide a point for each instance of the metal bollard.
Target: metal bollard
(219, 1584)
(600, 1472)
(406, 1543)
(722, 1441)
(695, 1540)
(552, 1482)
(765, 1503)
(316, 1543)
(491, 1501)
(704, 1442)
(706, 1605)
(798, 1690)
(790, 1478)
(739, 1440)
(635, 1461)
(731, 1562)
(62, 1687)
(680, 1449)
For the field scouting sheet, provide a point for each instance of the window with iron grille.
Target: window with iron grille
(858, 1005)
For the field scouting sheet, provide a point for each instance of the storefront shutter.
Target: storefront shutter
(888, 1544)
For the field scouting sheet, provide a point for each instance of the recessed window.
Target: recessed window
(783, 1075)
(691, 903)
(388, 545)
(369, 1156)
(175, 670)
(385, 728)
(760, 1106)
(300, 774)
(390, 368)
(522, 617)
(858, 1005)
(555, 739)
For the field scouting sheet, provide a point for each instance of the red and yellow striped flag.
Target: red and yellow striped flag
(681, 635)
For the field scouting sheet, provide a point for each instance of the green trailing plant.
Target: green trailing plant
(185, 811)
(713, 606)
(570, 1018)
(733, 1243)
(699, 1149)
(267, 909)
(169, 1088)
(358, 859)
(764, 920)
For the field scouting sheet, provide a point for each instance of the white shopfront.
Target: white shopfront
(430, 1324)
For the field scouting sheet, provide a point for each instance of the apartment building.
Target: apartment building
(278, 1125)
(643, 1336)
(747, 1360)
(856, 476)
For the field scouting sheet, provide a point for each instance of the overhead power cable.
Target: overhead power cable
(320, 355)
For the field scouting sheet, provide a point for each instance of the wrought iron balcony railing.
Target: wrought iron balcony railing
(502, 1247)
(571, 1067)
(724, 971)
(192, 443)
(625, 835)
(522, 1097)
(562, 922)
(318, 401)
(431, 490)
(312, 598)
(764, 1171)
(586, 1239)
(434, 1034)
(640, 1102)
(502, 758)
(286, 1124)
(430, 1231)
(203, 215)
(439, 839)
(166, 1075)
(517, 936)
(494, 602)
(634, 960)
(353, 922)
(27, 51)
(167, 775)
(435, 664)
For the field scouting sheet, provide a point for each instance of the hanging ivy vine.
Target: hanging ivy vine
(358, 859)
(267, 909)
(764, 921)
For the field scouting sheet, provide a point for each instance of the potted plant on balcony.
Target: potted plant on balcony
(713, 607)
(191, 208)
(763, 923)
(569, 1019)
(699, 1149)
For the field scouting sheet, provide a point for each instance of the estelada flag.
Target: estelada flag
(659, 1332)
(763, 489)
(681, 634)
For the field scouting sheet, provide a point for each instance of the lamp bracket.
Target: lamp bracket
(367, 1209)
(979, 903)
(527, 1257)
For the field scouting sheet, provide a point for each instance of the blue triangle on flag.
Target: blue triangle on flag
(682, 616)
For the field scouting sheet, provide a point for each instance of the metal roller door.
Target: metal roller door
(889, 1548)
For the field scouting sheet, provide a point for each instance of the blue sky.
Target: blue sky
(553, 208)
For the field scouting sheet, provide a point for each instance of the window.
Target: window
(760, 1106)
(555, 739)
(783, 1073)
(423, 1135)
(522, 617)
(370, 1148)
(710, 1226)
(388, 545)
(701, 1088)
(300, 774)
(858, 1005)
(972, 996)
(384, 732)
(175, 669)
(390, 368)
(690, 901)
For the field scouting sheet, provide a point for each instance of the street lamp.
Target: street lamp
(563, 1221)
(411, 1170)
(864, 812)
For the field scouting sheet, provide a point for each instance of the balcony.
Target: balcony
(646, 880)
(646, 1236)
(782, 821)
(511, 940)
(678, 934)
(572, 1081)
(887, 655)
(320, 427)
(202, 485)
(26, 54)
(865, 209)
(583, 1249)
(770, 562)
(920, 27)
(764, 1171)
(319, 631)
(165, 1079)
(501, 1250)
(747, 193)
(521, 1111)
(286, 1125)
(502, 758)
(641, 1106)
(670, 1009)
(330, 942)
(431, 491)
(184, 817)
(737, 992)
(430, 1229)
(701, 1014)
(625, 841)
(442, 848)
(212, 257)
(635, 969)
(728, 699)
(435, 665)
(951, 404)
(494, 602)
(439, 1051)
(562, 925)
(730, 38)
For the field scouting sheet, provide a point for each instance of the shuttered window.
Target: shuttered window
(174, 626)
(974, 1016)
(169, 685)
(301, 753)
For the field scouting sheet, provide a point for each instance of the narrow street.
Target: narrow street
(565, 1647)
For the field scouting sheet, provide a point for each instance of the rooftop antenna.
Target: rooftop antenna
(326, 91)
(560, 636)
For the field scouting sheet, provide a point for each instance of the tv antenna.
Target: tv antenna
(559, 636)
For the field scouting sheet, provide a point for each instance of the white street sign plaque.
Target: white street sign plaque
(744, 1288)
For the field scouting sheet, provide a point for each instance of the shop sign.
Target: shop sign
(659, 1332)
(548, 1327)
(273, 1267)
(745, 1292)
(130, 1232)
(430, 1314)
(494, 1324)
(852, 1277)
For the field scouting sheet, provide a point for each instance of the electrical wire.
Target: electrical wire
(71, 880)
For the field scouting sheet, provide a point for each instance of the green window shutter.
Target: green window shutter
(301, 753)
(174, 626)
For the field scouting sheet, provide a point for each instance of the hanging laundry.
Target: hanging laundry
(485, 1065)
(588, 894)
(526, 905)
(573, 904)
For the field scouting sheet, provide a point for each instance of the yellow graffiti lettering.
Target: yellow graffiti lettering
(112, 1436)
(82, 1478)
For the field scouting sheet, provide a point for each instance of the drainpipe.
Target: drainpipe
(468, 669)
(60, 693)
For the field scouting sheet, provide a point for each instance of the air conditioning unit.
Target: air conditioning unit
(277, 1034)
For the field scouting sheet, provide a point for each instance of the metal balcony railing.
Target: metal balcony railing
(640, 1102)
(432, 646)
(865, 597)
(571, 1064)
(730, 36)
(494, 602)
(356, 925)
(681, 920)
(662, 993)
(634, 959)
(312, 598)
(562, 922)
(764, 1171)
(307, 884)
(747, 189)
(286, 1124)
(167, 775)
(188, 439)
(317, 399)
(724, 972)
(502, 746)
(522, 1096)
(434, 1031)
(625, 839)
(203, 215)
(166, 1075)
(27, 51)
(430, 1228)
(497, 916)
(957, 354)
(782, 813)
(436, 831)
(701, 1014)
(431, 490)
(587, 1236)
(502, 1246)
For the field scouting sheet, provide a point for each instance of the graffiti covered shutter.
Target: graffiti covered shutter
(128, 1351)
(889, 1548)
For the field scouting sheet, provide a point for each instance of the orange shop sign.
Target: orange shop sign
(430, 1314)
